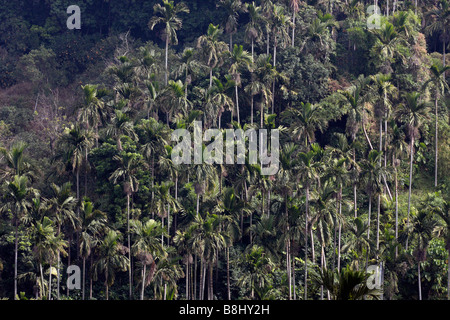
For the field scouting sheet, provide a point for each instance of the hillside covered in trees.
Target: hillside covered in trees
(87, 176)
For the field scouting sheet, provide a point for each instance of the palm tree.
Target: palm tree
(212, 49)
(189, 66)
(92, 110)
(347, 284)
(308, 173)
(257, 266)
(17, 202)
(154, 136)
(164, 203)
(440, 85)
(46, 245)
(440, 17)
(220, 98)
(263, 74)
(111, 258)
(207, 240)
(386, 46)
(280, 25)
(121, 125)
(93, 224)
(357, 242)
(167, 16)
(355, 99)
(15, 161)
(421, 233)
(173, 99)
(232, 8)
(232, 207)
(372, 170)
(253, 29)
(147, 247)
(436, 205)
(413, 112)
(304, 120)
(294, 4)
(62, 206)
(240, 59)
(129, 164)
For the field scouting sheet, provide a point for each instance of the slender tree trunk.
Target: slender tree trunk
(166, 60)
(370, 211)
(210, 76)
(42, 281)
(448, 274)
(228, 274)
(237, 104)
(306, 241)
(396, 207)
(410, 184)
(436, 142)
(84, 278)
(268, 42)
(201, 280)
(378, 221)
(419, 280)
(90, 277)
(293, 29)
(143, 281)
(354, 187)
(16, 250)
(49, 282)
(130, 277)
(187, 278)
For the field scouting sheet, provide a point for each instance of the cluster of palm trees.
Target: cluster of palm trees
(306, 232)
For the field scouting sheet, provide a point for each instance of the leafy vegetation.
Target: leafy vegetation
(87, 177)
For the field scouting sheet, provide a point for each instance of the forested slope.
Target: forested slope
(87, 176)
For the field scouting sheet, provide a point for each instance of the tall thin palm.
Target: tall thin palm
(167, 15)
(412, 113)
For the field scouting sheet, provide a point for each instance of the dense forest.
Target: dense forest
(360, 98)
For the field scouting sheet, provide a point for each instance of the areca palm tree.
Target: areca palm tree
(421, 234)
(304, 120)
(111, 259)
(386, 46)
(174, 100)
(348, 284)
(220, 98)
(121, 125)
(354, 97)
(439, 85)
(241, 60)
(15, 161)
(46, 245)
(154, 136)
(412, 112)
(62, 206)
(93, 224)
(440, 17)
(167, 15)
(189, 66)
(147, 247)
(358, 243)
(262, 75)
(92, 110)
(437, 206)
(17, 202)
(372, 170)
(212, 49)
(129, 164)
(253, 29)
(308, 173)
(232, 9)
